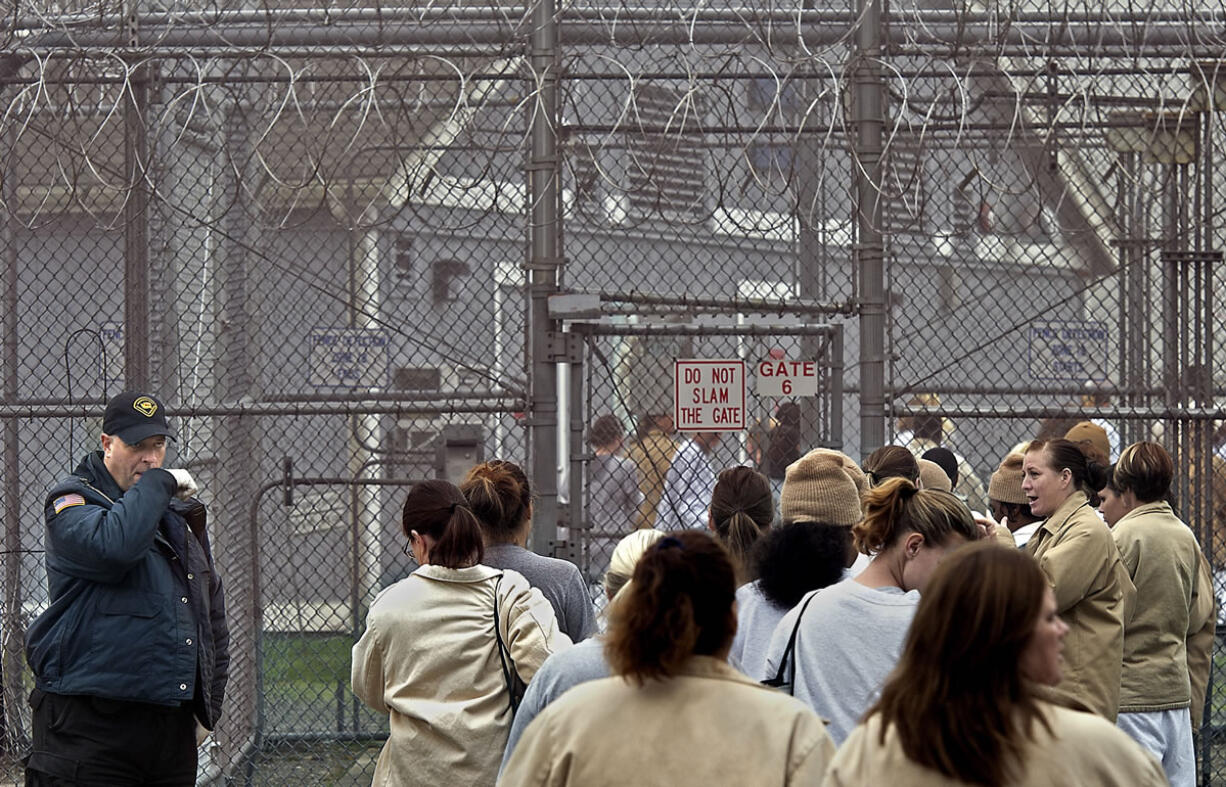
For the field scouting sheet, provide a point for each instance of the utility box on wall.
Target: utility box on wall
(459, 447)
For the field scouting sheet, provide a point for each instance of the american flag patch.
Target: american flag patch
(66, 501)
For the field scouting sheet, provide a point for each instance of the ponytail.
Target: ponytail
(437, 509)
(741, 511)
(898, 506)
(679, 604)
(499, 494)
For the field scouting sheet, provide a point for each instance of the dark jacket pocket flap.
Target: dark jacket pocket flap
(138, 605)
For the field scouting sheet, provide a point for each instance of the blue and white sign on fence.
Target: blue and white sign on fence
(348, 357)
(1069, 350)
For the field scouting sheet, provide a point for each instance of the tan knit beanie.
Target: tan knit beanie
(932, 476)
(1006, 483)
(820, 487)
(1095, 435)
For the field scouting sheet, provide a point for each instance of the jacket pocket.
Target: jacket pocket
(125, 619)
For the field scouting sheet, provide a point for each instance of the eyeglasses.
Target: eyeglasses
(408, 550)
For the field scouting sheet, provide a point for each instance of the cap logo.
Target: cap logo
(145, 406)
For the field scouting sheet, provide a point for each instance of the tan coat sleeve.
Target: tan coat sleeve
(533, 763)
(1202, 619)
(366, 670)
(1073, 565)
(814, 748)
(529, 626)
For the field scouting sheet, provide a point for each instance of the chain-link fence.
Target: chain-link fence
(357, 246)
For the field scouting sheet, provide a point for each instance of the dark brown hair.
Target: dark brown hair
(605, 430)
(890, 461)
(1089, 475)
(741, 511)
(897, 507)
(437, 509)
(1146, 470)
(679, 603)
(499, 494)
(957, 698)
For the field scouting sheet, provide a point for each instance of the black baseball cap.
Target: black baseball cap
(132, 416)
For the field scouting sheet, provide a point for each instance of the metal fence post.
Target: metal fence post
(868, 117)
(13, 627)
(544, 231)
(136, 223)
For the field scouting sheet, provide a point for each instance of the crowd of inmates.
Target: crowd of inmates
(807, 620)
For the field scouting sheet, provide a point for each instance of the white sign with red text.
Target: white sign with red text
(787, 378)
(710, 396)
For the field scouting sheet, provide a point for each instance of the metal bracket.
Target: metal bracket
(1192, 257)
(565, 549)
(564, 347)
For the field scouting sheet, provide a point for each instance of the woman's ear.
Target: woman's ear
(911, 545)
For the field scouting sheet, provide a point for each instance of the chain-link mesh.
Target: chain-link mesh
(323, 236)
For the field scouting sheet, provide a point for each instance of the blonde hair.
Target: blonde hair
(625, 557)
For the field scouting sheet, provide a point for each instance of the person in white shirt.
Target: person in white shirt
(686, 499)
(848, 636)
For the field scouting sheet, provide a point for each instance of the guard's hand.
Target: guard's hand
(202, 732)
(185, 484)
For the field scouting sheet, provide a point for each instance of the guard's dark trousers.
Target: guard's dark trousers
(95, 742)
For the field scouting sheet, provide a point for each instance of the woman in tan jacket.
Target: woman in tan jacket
(963, 707)
(430, 657)
(1074, 548)
(1168, 642)
(675, 704)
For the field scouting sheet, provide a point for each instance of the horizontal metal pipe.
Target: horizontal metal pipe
(356, 407)
(736, 304)
(601, 329)
(295, 396)
(1111, 413)
(620, 14)
(271, 740)
(615, 31)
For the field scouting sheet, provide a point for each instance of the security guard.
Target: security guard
(130, 659)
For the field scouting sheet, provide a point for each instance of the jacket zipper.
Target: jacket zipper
(96, 489)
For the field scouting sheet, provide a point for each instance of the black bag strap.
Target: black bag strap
(788, 653)
(504, 654)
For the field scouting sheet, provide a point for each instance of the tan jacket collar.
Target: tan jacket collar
(1054, 523)
(1145, 509)
(470, 575)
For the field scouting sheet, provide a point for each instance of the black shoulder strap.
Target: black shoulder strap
(788, 652)
(504, 655)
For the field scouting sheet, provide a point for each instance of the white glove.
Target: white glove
(186, 485)
(202, 732)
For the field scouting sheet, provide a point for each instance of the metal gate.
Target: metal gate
(626, 371)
